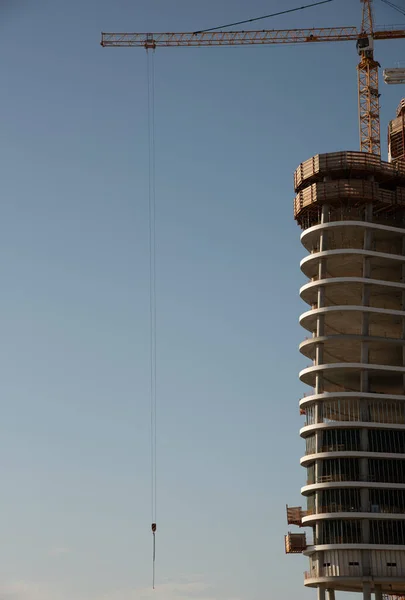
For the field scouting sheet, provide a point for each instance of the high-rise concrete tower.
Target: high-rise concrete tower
(351, 208)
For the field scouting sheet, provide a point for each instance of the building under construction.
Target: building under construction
(351, 208)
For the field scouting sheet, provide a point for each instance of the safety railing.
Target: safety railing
(350, 571)
(338, 477)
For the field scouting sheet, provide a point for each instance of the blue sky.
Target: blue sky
(232, 124)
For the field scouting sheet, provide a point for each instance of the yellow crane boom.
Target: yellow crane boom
(230, 38)
(243, 38)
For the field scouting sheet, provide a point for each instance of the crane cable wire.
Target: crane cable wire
(152, 291)
(394, 6)
(283, 12)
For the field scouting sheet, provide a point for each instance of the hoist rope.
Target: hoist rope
(152, 288)
(282, 12)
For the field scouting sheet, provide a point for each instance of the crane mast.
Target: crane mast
(369, 97)
(367, 17)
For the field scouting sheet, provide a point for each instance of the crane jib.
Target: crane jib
(223, 38)
(230, 38)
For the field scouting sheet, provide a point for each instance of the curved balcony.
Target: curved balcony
(310, 458)
(348, 291)
(347, 375)
(345, 319)
(344, 578)
(348, 262)
(309, 430)
(336, 482)
(348, 396)
(333, 514)
(352, 230)
(351, 545)
(337, 346)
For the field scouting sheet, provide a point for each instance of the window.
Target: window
(386, 441)
(339, 532)
(339, 500)
(391, 564)
(353, 564)
(387, 501)
(326, 564)
(336, 440)
(387, 532)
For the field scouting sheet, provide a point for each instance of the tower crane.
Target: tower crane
(367, 69)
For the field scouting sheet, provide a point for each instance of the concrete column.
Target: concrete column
(323, 236)
(319, 563)
(317, 531)
(322, 593)
(369, 207)
(321, 269)
(318, 383)
(323, 241)
(318, 475)
(368, 239)
(366, 591)
(366, 260)
(319, 354)
(364, 386)
(321, 297)
(364, 495)
(403, 266)
(403, 308)
(378, 592)
(325, 212)
(365, 533)
(320, 331)
(331, 594)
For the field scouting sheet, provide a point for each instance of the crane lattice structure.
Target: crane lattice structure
(368, 92)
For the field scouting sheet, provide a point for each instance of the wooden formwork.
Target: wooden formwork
(347, 181)
(357, 190)
(359, 163)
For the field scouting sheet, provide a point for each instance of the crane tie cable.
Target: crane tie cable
(394, 6)
(283, 12)
(152, 290)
